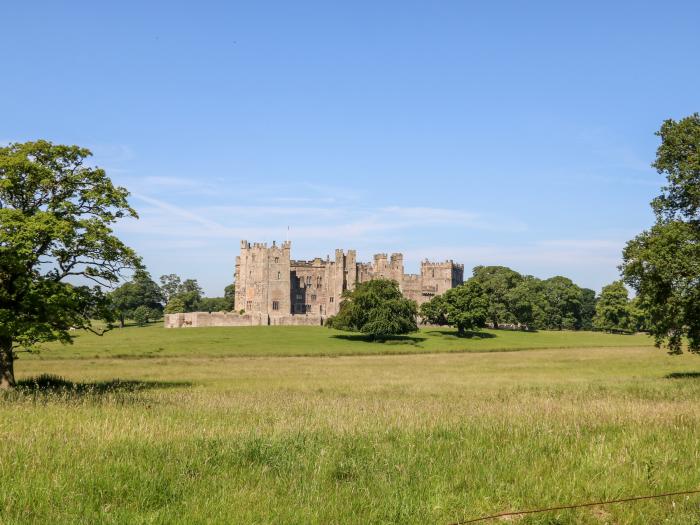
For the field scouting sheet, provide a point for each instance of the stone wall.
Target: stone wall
(201, 319)
(204, 319)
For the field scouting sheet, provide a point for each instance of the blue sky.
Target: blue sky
(514, 133)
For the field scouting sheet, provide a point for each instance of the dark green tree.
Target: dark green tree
(175, 306)
(143, 315)
(230, 296)
(376, 308)
(588, 304)
(529, 303)
(467, 306)
(55, 218)
(663, 264)
(497, 283)
(434, 311)
(170, 286)
(188, 291)
(140, 291)
(613, 311)
(214, 304)
(562, 306)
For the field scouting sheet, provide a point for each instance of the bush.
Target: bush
(376, 308)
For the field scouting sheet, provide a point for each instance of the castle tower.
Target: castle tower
(262, 279)
(437, 278)
(396, 267)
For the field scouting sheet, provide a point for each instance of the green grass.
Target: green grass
(156, 341)
(214, 436)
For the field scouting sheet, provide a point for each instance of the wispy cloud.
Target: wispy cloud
(162, 218)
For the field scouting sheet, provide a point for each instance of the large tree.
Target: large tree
(465, 307)
(562, 306)
(176, 291)
(497, 283)
(140, 291)
(376, 308)
(613, 311)
(55, 217)
(663, 264)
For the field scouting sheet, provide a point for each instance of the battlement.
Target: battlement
(270, 285)
(445, 264)
(245, 245)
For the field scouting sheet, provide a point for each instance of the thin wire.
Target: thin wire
(575, 506)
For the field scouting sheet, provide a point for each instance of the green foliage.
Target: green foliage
(170, 285)
(562, 304)
(376, 308)
(188, 292)
(143, 315)
(678, 157)
(511, 298)
(588, 304)
(614, 310)
(55, 217)
(230, 296)
(663, 264)
(435, 311)
(140, 291)
(214, 304)
(467, 306)
(529, 302)
(175, 306)
(497, 282)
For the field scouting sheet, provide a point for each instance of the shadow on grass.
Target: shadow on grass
(464, 335)
(683, 375)
(391, 340)
(51, 384)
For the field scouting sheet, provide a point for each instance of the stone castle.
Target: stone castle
(274, 289)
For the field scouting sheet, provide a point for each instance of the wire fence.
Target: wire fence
(575, 506)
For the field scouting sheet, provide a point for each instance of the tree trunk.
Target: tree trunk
(7, 369)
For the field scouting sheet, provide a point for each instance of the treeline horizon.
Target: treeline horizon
(493, 296)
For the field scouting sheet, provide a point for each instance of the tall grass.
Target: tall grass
(373, 439)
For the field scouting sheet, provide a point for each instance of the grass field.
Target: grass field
(202, 432)
(155, 341)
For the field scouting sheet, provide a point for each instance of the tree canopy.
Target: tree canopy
(140, 291)
(55, 218)
(376, 308)
(509, 298)
(186, 294)
(613, 312)
(663, 264)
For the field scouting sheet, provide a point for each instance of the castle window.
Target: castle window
(307, 307)
(300, 297)
(313, 297)
(308, 279)
(330, 300)
(279, 276)
(277, 259)
(249, 305)
(275, 305)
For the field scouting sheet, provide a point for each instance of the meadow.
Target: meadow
(306, 425)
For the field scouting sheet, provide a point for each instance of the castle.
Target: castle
(274, 289)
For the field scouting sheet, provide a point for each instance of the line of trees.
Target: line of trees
(143, 300)
(497, 295)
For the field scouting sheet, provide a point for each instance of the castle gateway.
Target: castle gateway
(272, 288)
